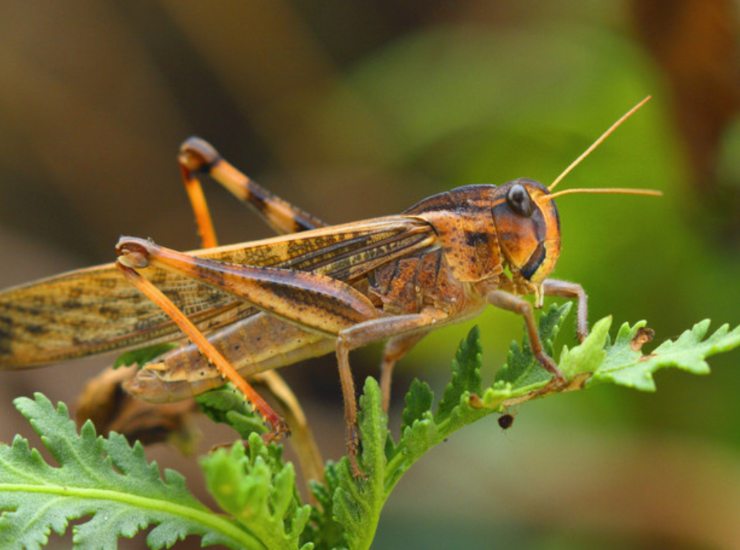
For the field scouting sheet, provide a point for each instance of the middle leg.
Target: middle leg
(411, 327)
(311, 300)
(394, 350)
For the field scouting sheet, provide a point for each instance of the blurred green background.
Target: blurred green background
(358, 109)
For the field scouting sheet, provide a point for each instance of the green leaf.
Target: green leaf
(465, 374)
(418, 401)
(627, 367)
(142, 356)
(258, 489)
(522, 369)
(323, 530)
(104, 479)
(227, 405)
(589, 355)
(357, 502)
(111, 485)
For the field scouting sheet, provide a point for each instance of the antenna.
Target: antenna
(598, 142)
(605, 191)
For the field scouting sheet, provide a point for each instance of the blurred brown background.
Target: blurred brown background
(358, 109)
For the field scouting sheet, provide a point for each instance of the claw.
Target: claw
(558, 380)
(353, 445)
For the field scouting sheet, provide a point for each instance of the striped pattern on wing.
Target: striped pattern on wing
(94, 310)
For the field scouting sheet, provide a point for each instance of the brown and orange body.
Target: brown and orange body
(260, 305)
(458, 261)
(445, 252)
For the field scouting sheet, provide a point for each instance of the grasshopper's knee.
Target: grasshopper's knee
(344, 345)
(133, 253)
(197, 155)
(524, 308)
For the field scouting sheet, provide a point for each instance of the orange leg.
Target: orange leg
(198, 156)
(203, 221)
(312, 300)
(308, 452)
(127, 265)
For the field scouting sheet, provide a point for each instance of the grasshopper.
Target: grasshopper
(255, 306)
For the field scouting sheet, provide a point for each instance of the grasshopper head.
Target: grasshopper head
(528, 228)
(527, 220)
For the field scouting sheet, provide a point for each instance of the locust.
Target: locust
(252, 307)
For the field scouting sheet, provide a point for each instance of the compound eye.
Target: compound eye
(519, 200)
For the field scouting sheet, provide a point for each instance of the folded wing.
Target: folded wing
(94, 310)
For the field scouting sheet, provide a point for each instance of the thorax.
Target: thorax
(455, 276)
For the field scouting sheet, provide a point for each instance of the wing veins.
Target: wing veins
(77, 320)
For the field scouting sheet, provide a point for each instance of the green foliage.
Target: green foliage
(324, 530)
(258, 489)
(465, 374)
(418, 401)
(110, 482)
(522, 369)
(627, 367)
(227, 406)
(357, 503)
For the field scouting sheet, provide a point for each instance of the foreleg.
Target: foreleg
(516, 304)
(555, 287)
